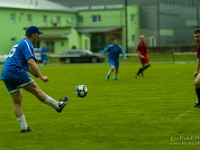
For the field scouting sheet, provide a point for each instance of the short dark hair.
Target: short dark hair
(28, 34)
(115, 39)
(197, 30)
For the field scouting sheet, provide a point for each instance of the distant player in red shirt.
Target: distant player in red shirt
(142, 51)
(196, 73)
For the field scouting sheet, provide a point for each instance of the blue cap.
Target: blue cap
(33, 29)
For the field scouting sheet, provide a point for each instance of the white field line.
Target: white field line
(183, 114)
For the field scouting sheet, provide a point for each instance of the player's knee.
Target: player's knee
(197, 84)
(112, 68)
(17, 101)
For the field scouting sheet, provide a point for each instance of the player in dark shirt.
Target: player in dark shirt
(196, 73)
(142, 52)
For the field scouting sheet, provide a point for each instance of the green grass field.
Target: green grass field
(151, 113)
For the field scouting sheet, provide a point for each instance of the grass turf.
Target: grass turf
(151, 113)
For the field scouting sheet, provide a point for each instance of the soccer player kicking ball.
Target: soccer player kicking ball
(142, 52)
(20, 61)
(196, 73)
(114, 51)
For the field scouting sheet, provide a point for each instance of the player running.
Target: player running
(196, 73)
(142, 52)
(20, 61)
(114, 51)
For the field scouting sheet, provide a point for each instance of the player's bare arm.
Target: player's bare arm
(32, 72)
(140, 54)
(33, 69)
(197, 68)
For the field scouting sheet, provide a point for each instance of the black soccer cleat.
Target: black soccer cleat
(197, 105)
(107, 77)
(62, 104)
(27, 130)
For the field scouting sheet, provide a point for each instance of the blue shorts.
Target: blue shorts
(114, 63)
(15, 79)
(44, 58)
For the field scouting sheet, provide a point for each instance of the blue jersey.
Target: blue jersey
(43, 53)
(19, 56)
(114, 52)
(43, 50)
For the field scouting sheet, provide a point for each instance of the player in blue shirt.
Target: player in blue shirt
(20, 61)
(43, 53)
(114, 51)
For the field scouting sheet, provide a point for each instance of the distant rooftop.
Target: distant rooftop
(35, 4)
(77, 3)
(99, 7)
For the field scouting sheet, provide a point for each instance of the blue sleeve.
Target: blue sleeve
(28, 51)
(41, 50)
(106, 49)
(123, 52)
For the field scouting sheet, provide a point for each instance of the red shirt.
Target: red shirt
(142, 48)
(198, 51)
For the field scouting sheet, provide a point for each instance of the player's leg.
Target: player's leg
(44, 62)
(18, 111)
(16, 96)
(112, 68)
(147, 66)
(33, 88)
(144, 67)
(197, 89)
(140, 70)
(116, 70)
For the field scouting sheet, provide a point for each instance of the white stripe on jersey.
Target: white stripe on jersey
(29, 49)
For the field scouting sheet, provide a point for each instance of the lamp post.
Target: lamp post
(126, 25)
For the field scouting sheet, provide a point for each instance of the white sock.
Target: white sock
(115, 76)
(22, 122)
(51, 102)
(109, 72)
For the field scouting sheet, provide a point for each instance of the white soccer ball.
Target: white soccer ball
(81, 91)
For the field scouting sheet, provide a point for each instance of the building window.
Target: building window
(58, 20)
(50, 46)
(45, 20)
(13, 40)
(133, 38)
(12, 18)
(133, 18)
(96, 18)
(29, 18)
(80, 19)
(70, 21)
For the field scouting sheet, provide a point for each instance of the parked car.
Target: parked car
(75, 55)
(3, 57)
